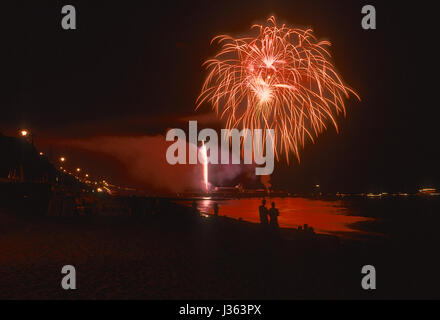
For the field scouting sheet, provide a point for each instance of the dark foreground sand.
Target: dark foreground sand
(175, 255)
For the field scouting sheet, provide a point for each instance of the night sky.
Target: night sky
(131, 71)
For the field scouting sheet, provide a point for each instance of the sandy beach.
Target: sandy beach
(151, 258)
(175, 254)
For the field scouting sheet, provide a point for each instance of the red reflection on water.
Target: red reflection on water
(323, 216)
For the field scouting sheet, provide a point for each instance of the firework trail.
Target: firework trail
(280, 79)
(204, 154)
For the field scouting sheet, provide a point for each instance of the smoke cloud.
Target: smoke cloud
(143, 161)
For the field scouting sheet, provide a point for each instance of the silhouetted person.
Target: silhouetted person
(194, 207)
(215, 209)
(273, 214)
(263, 213)
(156, 206)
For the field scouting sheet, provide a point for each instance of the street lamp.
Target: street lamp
(29, 136)
(78, 169)
(62, 159)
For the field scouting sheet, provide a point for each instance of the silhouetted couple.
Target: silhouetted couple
(269, 217)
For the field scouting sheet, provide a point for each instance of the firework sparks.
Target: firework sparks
(204, 154)
(280, 79)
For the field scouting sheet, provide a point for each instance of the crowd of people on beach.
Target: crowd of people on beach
(268, 217)
(67, 204)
